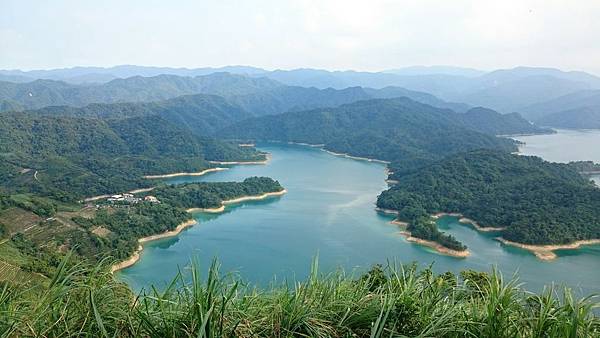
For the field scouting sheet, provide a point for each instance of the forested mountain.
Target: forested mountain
(388, 129)
(392, 92)
(206, 114)
(580, 99)
(258, 96)
(42, 93)
(295, 98)
(491, 122)
(513, 94)
(577, 118)
(71, 156)
(505, 90)
(578, 110)
(538, 202)
(202, 114)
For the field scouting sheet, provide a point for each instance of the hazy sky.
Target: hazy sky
(339, 34)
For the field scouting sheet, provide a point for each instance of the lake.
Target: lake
(329, 211)
(564, 146)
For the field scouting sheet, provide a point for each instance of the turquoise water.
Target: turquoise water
(329, 211)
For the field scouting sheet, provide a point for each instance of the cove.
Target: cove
(329, 211)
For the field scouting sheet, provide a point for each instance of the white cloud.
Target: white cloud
(336, 34)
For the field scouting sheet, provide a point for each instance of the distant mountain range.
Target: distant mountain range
(81, 75)
(241, 98)
(42, 93)
(578, 110)
(259, 96)
(506, 90)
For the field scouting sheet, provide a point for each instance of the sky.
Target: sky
(336, 34)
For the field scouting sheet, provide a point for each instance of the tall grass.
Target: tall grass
(391, 301)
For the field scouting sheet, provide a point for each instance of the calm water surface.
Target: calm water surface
(330, 211)
(564, 146)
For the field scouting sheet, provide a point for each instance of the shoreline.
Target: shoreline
(387, 211)
(322, 147)
(463, 219)
(355, 157)
(137, 253)
(200, 173)
(440, 249)
(319, 145)
(546, 252)
(436, 246)
(135, 257)
(265, 161)
(238, 200)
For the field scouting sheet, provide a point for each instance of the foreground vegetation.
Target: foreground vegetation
(396, 301)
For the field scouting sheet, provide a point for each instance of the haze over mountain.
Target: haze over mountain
(506, 90)
(41, 93)
(440, 70)
(260, 96)
(576, 110)
(80, 75)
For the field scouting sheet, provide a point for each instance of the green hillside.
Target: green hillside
(537, 202)
(401, 131)
(87, 156)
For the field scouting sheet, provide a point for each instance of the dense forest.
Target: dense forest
(211, 194)
(424, 227)
(81, 157)
(585, 166)
(538, 202)
(201, 114)
(397, 130)
(490, 122)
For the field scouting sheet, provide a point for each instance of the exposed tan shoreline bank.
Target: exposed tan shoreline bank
(546, 252)
(387, 211)
(265, 161)
(321, 145)
(463, 219)
(355, 157)
(136, 255)
(200, 173)
(436, 246)
(431, 244)
(238, 200)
